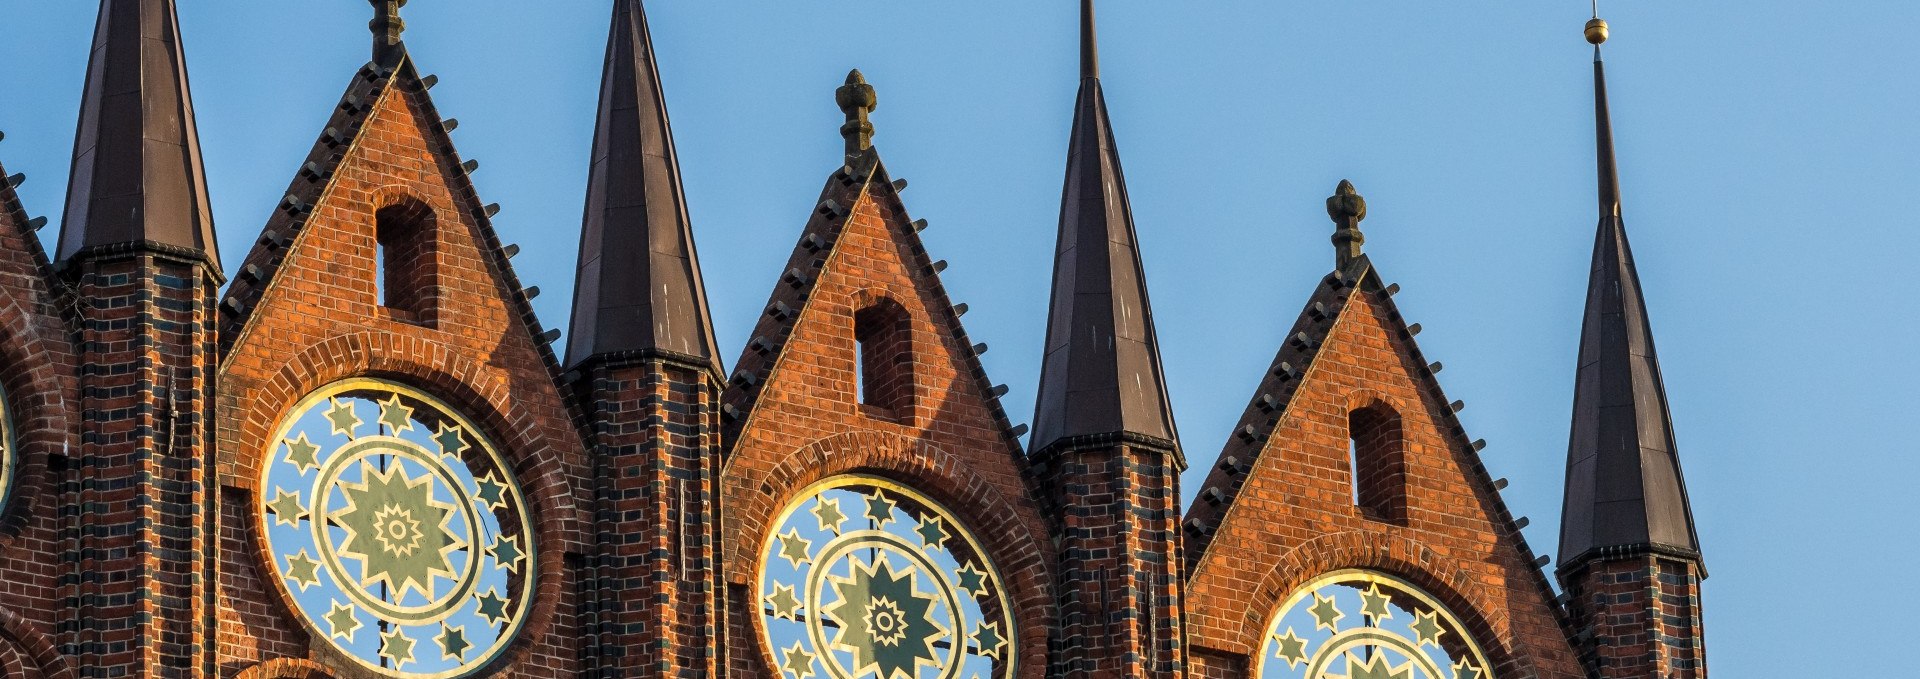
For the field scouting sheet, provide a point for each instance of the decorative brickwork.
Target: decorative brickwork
(1638, 616)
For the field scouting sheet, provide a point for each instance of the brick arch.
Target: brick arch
(286, 668)
(465, 384)
(991, 516)
(33, 646)
(1391, 554)
(43, 396)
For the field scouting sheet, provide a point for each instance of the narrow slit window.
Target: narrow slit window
(406, 265)
(1376, 454)
(883, 361)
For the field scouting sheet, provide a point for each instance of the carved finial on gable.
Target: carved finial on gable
(858, 100)
(1347, 208)
(387, 26)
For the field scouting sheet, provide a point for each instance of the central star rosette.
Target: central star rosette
(402, 535)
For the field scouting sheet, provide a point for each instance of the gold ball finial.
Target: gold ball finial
(1597, 31)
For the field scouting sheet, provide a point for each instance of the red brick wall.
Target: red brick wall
(1642, 616)
(799, 420)
(1294, 518)
(320, 320)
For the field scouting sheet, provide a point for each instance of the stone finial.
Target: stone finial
(858, 100)
(387, 26)
(1347, 208)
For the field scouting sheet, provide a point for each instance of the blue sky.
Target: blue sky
(1768, 159)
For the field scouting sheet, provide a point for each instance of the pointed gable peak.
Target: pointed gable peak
(639, 287)
(1101, 372)
(137, 173)
(1625, 492)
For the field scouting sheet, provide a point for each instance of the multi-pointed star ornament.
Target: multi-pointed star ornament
(1465, 670)
(395, 416)
(988, 640)
(932, 534)
(785, 604)
(490, 491)
(303, 570)
(794, 548)
(971, 580)
(340, 415)
(797, 662)
(506, 553)
(302, 454)
(492, 607)
(341, 622)
(395, 646)
(1426, 628)
(286, 508)
(1375, 666)
(828, 511)
(453, 643)
(879, 509)
(451, 443)
(1326, 614)
(1373, 604)
(1290, 647)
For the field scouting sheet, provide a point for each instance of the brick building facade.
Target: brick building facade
(359, 455)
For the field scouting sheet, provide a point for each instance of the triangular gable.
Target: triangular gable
(25, 258)
(1272, 491)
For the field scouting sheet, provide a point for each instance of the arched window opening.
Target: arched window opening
(1376, 454)
(405, 264)
(883, 364)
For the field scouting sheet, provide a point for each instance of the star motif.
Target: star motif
(396, 415)
(303, 570)
(342, 622)
(971, 580)
(340, 414)
(302, 454)
(1465, 670)
(1290, 647)
(785, 604)
(932, 534)
(1376, 667)
(887, 626)
(1426, 628)
(286, 508)
(988, 640)
(828, 511)
(798, 662)
(1325, 613)
(794, 548)
(395, 646)
(1373, 604)
(450, 441)
(880, 511)
(399, 532)
(491, 492)
(453, 643)
(492, 607)
(506, 553)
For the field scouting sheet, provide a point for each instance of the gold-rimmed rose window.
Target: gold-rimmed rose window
(1357, 624)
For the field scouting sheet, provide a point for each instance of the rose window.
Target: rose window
(397, 530)
(7, 455)
(864, 578)
(1366, 625)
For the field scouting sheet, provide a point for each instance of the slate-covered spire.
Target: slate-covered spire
(1625, 492)
(137, 175)
(1101, 373)
(639, 285)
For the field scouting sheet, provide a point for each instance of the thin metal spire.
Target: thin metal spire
(1603, 126)
(1089, 43)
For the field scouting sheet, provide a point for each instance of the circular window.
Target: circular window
(397, 530)
(1366, 625)
(7, 456)
(862, 576)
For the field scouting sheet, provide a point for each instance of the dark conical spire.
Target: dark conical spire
(639, 286)
(1101, 373)
(137, 175)
(1625, 492)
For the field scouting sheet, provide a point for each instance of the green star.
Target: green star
(1373, 604)
(303, 570)
(399, 532)
(342, 417)
(396, 415)
(450, 441)
(1465, 670)
(302, 454)
(784, 603)
(453, 643)
(971, 580)
(491, 491)
(1291, 648)
(286, 508)
(932, 534)
(988, 640)
(395, 646)
(828, 511)
(342, 622)
(492, 607)
(887, 625)
(1376, 667)
(1325, 613)
(1426, 628)
(506, 553)
(798, 662)
(794, 548)
(879, 510)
